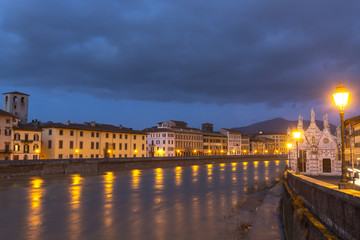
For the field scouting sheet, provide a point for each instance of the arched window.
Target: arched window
(35, 147)
(16, 147)
(6, 99)
(15, 99)
(36, 137)
(22, 101)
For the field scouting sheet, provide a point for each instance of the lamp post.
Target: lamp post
(297, 135)
(289, 146)
(341, 96)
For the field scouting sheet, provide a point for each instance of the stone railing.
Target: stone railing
(331, 209)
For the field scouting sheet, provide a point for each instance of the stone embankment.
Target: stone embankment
(66, 166)
(313, 209)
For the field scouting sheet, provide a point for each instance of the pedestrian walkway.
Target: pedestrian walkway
(336, 179)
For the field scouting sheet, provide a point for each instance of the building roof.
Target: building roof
(176, 130)
(271, 133)
(155, 129)
(5, 113)
(214, 134)
(28, 127)
(231, 130)
(353, 119)
(92, 126)
(16, 92)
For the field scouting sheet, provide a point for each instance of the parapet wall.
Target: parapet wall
(64, 166)
(327, 212)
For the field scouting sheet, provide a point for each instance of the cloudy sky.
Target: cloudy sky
(138, 62)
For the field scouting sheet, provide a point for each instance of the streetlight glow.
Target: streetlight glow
(289, 145)
(341, 96)
(296, 134)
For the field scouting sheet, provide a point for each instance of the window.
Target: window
(71, 133)
(114, 135)
(134, 137)
(120, 146)
(119, 155)
(125, 136)
(125, 155)
(49, 144)
(163, 141)
(134, 146)
(17, 136)
(71, 145)
(143, 147)
(60, 156)
(7, 132)
(134, 155)
(80, 156)
(107, 135)
(35, 147)
(81, 145)
(164, 135)
(92, 134)
(60, 144)
(26, 137)
(71, 156)
(15, 99)
(92, 145)
(36, 137)
(97, 145)
(97, 155)
(92, 155)
(61, 132)
(16, 147)
(97, 134)
(113, 146)
(50, 131)
(26, 148)
(125, 146)
(81, 133)
(120, 136)
(7, 120)
(143, 137)
(34, 157)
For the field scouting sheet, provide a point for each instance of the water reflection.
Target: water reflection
(108, 201)
(209, 171)
(35, 216)
(75, 204)
(195, 173)
(178, 178)
(159, 179)
(135, 181)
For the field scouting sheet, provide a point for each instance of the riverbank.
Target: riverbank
(70, 166)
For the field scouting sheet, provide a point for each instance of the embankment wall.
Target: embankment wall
(66, 166)
(314, 209)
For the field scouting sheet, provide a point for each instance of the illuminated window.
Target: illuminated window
(16, 147)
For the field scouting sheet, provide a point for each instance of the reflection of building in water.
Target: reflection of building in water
(135, 181)
(34, 220)
(75, 203)
(178, 175)
(108, 200)
(159, 179)
(195, 173)
(209, 171)
(316, 149)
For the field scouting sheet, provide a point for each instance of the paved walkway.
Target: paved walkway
(336, 179)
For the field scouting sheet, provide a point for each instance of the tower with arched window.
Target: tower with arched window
(16, 103)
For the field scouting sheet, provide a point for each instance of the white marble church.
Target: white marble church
(318, 149)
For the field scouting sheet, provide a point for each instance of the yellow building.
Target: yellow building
(280, 140)
(215, 144)
(7, 121)
(91, 140)
(26, 142)
(245, 145)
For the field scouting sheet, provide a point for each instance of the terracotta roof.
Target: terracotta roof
(28, 127)
(5, 113)
(92, 127)
(231, 130)
(214, 134)
(16, 92)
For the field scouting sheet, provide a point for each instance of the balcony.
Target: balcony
(27, 141)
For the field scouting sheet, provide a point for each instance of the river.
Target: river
(193, 202)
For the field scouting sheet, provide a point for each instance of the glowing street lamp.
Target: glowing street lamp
(37, 151)
(77, 151)
(297, 136)
(289, 146)
(341, 96)
(135, 151)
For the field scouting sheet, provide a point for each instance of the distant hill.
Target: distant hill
(278, 125)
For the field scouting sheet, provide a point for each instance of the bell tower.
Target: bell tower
(16, 103)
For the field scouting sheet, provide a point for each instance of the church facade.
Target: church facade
(317, 149)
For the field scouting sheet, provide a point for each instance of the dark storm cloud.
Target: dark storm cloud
(185, 51)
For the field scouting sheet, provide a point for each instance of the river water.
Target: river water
(163, 203)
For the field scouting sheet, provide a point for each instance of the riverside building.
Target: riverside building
(91, 140)
(7, 121)
(26, 141)
(215, 143)
(233, 141)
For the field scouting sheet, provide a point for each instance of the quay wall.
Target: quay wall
(313, 209)
(14, 168)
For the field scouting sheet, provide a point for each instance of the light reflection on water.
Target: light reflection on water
(162, 203)
(35, 217)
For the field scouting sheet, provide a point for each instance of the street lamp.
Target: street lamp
(341, 96)
(297, 135)
(289, 146)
